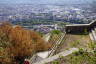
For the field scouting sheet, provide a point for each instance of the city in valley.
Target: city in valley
(30, 15)
(66, 13)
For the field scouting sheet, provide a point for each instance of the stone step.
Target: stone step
(91, 36)
(94, 34)
(95, 29)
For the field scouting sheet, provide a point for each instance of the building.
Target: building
(78, 28)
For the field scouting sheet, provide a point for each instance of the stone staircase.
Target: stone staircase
(43, 55)
(92, 34)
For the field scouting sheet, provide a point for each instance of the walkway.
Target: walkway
(64, 53)
(47, 37)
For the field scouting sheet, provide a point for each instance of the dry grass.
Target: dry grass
(72, 40)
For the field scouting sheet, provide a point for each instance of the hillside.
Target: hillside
(81, 57)
(73, 40)
(76, 47)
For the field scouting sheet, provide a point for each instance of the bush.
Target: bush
(55, 32)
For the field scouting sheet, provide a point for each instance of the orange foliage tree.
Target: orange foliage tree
(21, 43)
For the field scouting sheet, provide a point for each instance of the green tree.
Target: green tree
(56, 32)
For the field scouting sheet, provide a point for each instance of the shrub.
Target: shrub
(55, 32)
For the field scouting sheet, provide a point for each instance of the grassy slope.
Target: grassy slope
(73, 40)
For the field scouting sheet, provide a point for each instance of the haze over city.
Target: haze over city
(45, 1)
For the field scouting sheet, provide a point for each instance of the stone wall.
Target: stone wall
(80, 28)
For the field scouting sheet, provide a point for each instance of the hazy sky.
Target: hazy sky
(43, 1)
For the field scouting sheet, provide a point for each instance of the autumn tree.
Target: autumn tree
(21, 43)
